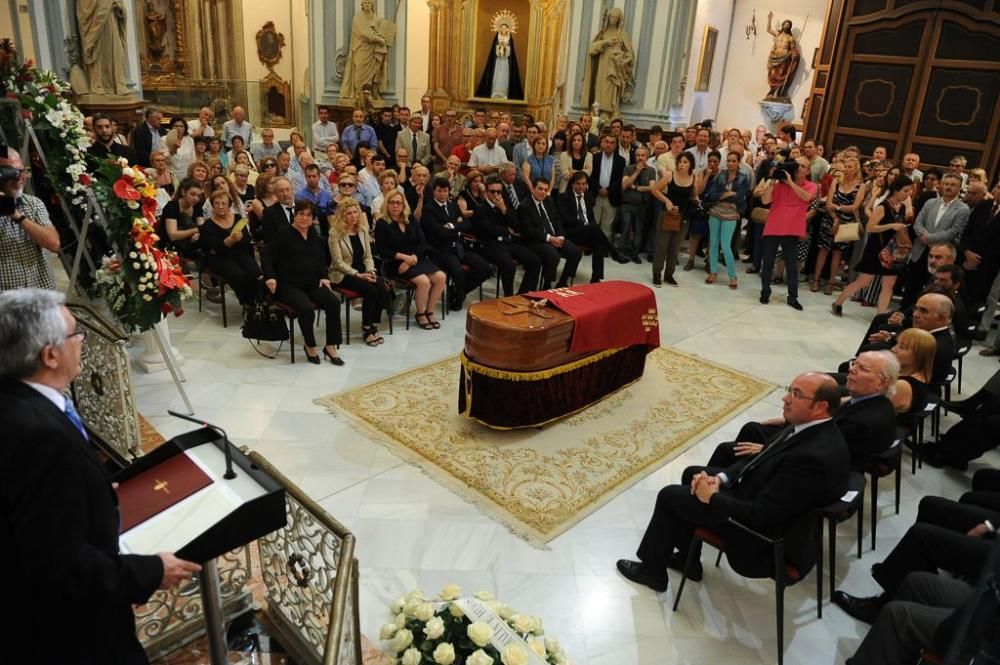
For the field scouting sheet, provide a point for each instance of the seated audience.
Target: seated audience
(263, 198)
(295, 271)
(354, 267)
(183, 217)
(281, 213)
(493, 223)
(179, 145)
(320, 198)
(266, 148)
(161, 176)
(240, 180)
(401, 244)
(229, 253)
(576, 209)
(914, 350)
(541, 231)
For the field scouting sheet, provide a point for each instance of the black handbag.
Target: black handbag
(264, 323)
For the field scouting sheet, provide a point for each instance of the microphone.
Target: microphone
(229, 474)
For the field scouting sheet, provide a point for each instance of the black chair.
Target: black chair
(220, 283)
(883, 464)
(784, 574)
(964, 346)
(913, 424)
(839, 511)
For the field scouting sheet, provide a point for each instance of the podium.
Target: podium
(207, 516)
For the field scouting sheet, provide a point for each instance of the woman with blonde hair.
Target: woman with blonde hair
(915, 349)
(401, 244)
(843, 202)
(388, 181)
(158, 172)
(353, 267)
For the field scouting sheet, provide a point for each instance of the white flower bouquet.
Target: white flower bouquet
(470, 631)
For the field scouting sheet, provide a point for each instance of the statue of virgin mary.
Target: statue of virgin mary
(501, 77)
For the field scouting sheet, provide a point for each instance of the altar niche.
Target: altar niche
(489, 16)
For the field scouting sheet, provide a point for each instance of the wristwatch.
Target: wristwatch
(18, 216)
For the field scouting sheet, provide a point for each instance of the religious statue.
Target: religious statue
(501, 77)
(783, 61)
(156, 29)
(368, 54)
(102, 45)
(610, 67)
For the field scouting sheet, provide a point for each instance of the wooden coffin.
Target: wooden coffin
(508, 333)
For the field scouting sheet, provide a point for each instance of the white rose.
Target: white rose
(388, 630)
(456, 611)
(128, 172)
(538, 647)
(434, 628)
(444, 654)
(400, 620)
(147, 298)
(480, 633)
(522, 623)
(552, 644)
(479, 657)
(416, 594)
(514, 655)
(424, 611)
(401, 640)
(450, 592)
(484, 595)
(410, 608)
(504, 611)
(136, 265)
(411, 657)
(397, 605)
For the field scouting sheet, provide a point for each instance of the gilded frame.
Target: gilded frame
(707, 59)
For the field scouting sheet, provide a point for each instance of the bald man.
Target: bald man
(775, 492)
(488, 155)
(238, 126)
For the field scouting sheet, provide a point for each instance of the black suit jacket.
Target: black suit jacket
(520, 190)
(617, 173)
(532, 226)
(432, 224)
(492, 227)
(59, 530)
(567, 208)
(778, 495)
(944, 355)
(868, 426)
(142, 142)
(275, 218)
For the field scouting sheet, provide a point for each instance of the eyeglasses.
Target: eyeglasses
(395, 202)
(494, 191)
(854, 364)
(345, 184)
(798, 394)
(81, 333)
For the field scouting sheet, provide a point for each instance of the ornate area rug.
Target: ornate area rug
(540, 482)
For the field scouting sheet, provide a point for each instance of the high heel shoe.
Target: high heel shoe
(433, 324)
(336, 360)
(426, 324)
(313, 359)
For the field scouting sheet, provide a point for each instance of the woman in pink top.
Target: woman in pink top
(786, 224)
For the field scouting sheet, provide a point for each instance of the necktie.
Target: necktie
(291, 217)
(769, 450)
(74, 418)
(413, 144)
(545, 216)
(514, 203)
(580, 210)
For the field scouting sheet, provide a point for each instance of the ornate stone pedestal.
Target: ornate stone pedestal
(777, 110)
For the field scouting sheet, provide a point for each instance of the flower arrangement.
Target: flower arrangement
(141, 281)
(475, 631)
(147, 282)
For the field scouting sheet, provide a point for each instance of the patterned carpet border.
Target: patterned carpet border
(539, 483)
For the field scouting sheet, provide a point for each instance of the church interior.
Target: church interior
(469, 431)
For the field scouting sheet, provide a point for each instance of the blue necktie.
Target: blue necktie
(74, 418)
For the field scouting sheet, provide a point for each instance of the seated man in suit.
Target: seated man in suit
(443, 226)
(577, 210)
(976, 433)
(280, 213)
(933, 313)
(542, 232)
(867, 418)
(60, 510)
(514, 189)
(493, 224)
(805, 467)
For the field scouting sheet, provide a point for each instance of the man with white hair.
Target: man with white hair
(238, 126)
(25, 229)
(201, 127)
(60, 508)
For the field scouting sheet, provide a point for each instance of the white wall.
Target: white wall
(699, 106)
(290, 19)
(746, 62)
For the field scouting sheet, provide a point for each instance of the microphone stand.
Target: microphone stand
(229, 474)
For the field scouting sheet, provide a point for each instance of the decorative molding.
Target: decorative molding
(270, 42)
(889, 98)
(972, 114)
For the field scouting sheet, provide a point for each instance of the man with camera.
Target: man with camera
(790, 193)
(25, 230)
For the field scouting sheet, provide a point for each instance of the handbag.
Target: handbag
(759, 214)
(896, 252)
(670, 220)
(848, 232)
(724, 211)
(264, 323)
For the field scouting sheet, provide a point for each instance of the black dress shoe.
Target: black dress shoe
(669, 279)
(336, 360)
(765, 298)
(636, 259)
(636, 571)
(862, 609)
(618, 257)
(676, 562)
(794, 304)
(313, 359)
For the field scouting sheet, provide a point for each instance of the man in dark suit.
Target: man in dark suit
(542, 232)
(493, 225)
(443, 226)
(867, 420)
(805, 467)
(606, 183)
(980, 248)
(105, 144)
(577, 210)
(514, 189)
(60, 524)
(281, 213)
(148, 135)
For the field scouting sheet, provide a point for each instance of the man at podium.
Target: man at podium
(71, 587)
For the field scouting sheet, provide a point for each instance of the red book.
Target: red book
(153, 491)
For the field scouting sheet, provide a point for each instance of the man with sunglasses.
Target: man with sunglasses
(493, 226)
(25, 229)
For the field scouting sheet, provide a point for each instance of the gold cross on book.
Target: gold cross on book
(161, 485)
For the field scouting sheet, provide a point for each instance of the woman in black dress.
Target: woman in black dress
(887, 230)
(182, 218)
(296, 273)
(230, 254)
(915, 349)
(401, 244)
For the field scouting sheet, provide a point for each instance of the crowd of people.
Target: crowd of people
(438, 204)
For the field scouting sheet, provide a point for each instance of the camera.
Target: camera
(7, 205)
(8, 174)
(784, 171)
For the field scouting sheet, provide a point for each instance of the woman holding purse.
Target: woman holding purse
(843, 201)
(726, 196)
(674, 190)
(887, 247)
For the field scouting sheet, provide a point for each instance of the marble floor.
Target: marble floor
(411, 532)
